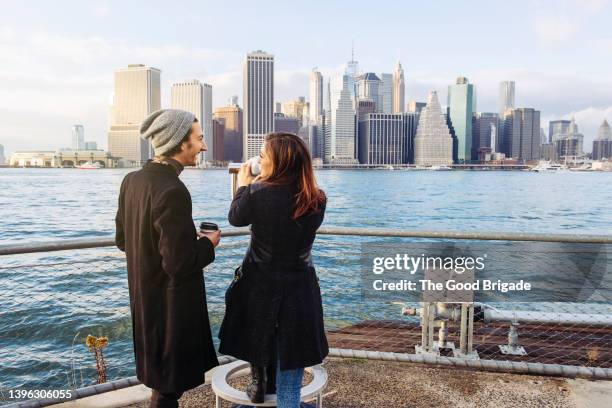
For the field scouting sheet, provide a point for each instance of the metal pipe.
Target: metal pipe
(488, 365)
(491, 315)
(83, 243)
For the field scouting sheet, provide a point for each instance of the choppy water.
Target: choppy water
(50, 302)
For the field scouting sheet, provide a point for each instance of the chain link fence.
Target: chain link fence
(51, 301)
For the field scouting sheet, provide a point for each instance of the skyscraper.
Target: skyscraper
(218, 154)
(2, 156)
(506, 97)
(286, 124)
(484, 133)
(258, 84)
(557, 127)
(78, 137)
(196, 97)
(316, 97)
(385, 93)
(340, 139)
(522, 134)
(387, 138)
(433, 144)
(368, 88)
(602, 146)
(137, 94)
(399, 89)
(416, 107)
(460, 104)
(569, 143)
(232, 139)
(295, 109)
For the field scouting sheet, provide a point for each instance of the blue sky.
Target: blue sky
(57, 58)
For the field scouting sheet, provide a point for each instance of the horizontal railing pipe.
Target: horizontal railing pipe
(84, 243)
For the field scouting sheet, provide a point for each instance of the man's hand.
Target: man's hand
(244, 175)
(213, 236)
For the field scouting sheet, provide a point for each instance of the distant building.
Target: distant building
(295, 109)
(460, 105)
(557, 127)
(340, 143)
(61, 158)
(433, 144)
(368, 88)
(232, 139)
(485, 130)
(286, 124)
(137, 94)
(387, 138)
(316, 97)
(416, 107)
(91, 145)
(522, 134)
(2, 156)
(570, 143)
(196, 97)
(258, 82)
(365, 106)
(218, 153)
(399, 89)
(78, 137)
(385, 94)
(312, 136)
(602, 146)
(506, 97)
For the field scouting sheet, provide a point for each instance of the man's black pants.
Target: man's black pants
(164, 400)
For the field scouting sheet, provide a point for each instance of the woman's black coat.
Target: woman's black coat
(278, 295)
(172, 340)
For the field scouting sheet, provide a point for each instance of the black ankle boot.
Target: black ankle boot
(257, 389)
(271, 379)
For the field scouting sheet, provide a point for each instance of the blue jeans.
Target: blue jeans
(288, 387)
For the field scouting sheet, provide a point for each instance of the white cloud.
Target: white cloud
(555, 30)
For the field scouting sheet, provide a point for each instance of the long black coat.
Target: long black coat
(278, 295)
(172, 339)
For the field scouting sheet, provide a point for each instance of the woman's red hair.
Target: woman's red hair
(291, 163)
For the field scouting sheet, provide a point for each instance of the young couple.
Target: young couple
(274, 315)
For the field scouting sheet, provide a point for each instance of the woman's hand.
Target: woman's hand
(244, 175)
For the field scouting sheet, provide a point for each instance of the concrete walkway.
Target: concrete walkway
(366, 383)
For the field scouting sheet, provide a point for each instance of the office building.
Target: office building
(602, 146)
(485, 130)
(433, 144)
(399, 89)
(315, 97)
(522, 134)
(387, 139)
(557, 127)
(460, 105)
(340, 143)
(258, 118)
(78, 137)
(218, 153)
(506, 97)
(196, 97)
(137, 94)
(385, 93)
(286, 124)
(91, 145)
(232, 139)
(416, 107)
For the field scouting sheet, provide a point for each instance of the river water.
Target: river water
(50, 302)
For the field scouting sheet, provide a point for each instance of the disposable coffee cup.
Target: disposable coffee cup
(208, 226)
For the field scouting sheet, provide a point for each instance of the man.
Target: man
(165, 255)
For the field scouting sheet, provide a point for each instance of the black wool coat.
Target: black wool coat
(276, 305)
(172, 339)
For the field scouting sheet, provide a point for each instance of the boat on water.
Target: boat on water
(548, 167)
(89, 166)
(439, 168)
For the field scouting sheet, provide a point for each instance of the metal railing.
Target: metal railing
(53, 296)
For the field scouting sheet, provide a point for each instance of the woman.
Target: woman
(274, 314)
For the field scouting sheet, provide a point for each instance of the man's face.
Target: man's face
(191, 148)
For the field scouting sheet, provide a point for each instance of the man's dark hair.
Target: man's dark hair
(177, 149)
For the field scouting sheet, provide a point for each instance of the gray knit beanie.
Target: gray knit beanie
(166, 128)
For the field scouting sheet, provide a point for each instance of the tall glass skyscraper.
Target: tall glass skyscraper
(258, 83)
(78, 137)
(316, 97)
(460, 105)
(506, 97)
(385, 93)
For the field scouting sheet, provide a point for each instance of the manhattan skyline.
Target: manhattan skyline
(57, 68)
